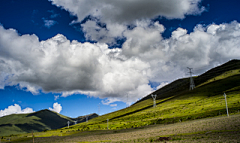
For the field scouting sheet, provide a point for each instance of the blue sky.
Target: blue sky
(73, 56)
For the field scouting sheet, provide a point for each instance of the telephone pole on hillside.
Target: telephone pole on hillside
(192, 85)
(226, 103)
(99, 109)
(86, 118)
(68, 123)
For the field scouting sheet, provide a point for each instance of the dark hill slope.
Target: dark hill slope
(231, 65)
(181, 86)
(37, 121)
(178, 86)
(51, 119)
(81, 119)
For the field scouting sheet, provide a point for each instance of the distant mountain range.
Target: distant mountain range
(37, 121)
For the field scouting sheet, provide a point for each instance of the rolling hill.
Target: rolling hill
(182, 85)
(38, 121)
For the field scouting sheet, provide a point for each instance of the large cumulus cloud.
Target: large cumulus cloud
(62, 66)
(116, 15)
(128, 11)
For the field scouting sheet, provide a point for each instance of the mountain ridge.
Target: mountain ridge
(36, 121)
(182, 85)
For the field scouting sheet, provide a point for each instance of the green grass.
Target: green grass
(222, 76)
(223, 128)
(25, 123)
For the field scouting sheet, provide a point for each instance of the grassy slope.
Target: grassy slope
(25, 123)
(218, 129)
(175, 103)
(182, 85)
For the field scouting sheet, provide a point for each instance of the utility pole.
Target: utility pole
(33, 136)
(107, 123)
(68, 123)
(154, 99)
(226, 103)
(192, 85)
(99, 109)
(86, 118)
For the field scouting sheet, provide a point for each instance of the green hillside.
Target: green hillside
(182, 85)
(38, 121)
(175, 103)
(25, 123)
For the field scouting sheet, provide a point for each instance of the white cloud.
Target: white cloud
(95, 32)
(56, 107)
(56, 97)
(3, 77)
(142, 39)
(125, 11)
(15, 109)
(109, 101)
(178, 33)
(113, 105)
(69, 67)
(117, 14)
(53, 14)
(60, 66)
(49, 23)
